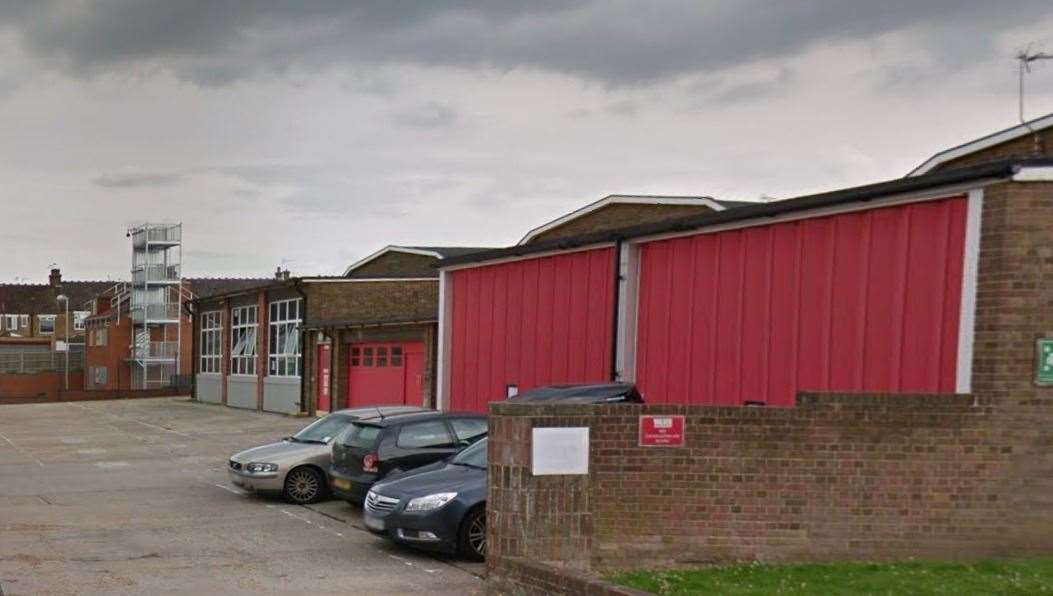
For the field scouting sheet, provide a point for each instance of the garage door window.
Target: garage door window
(243, 340)
(396, 356)
(382, 356)
(283, 354)
(427, 435)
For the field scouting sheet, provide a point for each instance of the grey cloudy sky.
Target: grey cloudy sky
(316, 132)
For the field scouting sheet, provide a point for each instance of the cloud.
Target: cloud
(428, 115)
(138, 180)
(612, 42)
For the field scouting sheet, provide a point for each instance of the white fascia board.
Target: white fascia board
(620, 199)
(387, 249)
(1035, 174)
(528, 256)
(997, 138)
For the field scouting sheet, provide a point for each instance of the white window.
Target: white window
(11, 322)
(23, 320)
(99, 374)
(283, 354)
(243, 340)
(100, 337)
(46, 324)
(78, 319)
(211, 341)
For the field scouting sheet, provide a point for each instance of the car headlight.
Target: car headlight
(258, 468)
(430, 502)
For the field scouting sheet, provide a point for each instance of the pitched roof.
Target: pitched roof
(204, 287)
(438, 252)
(42, 298)
(1000, 170)
(714, 204)
(984, 142)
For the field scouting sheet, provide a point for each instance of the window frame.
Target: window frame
(79, 316)
(243, 361)
(40, 324)
(210, 352)
(450, 437)
(284, 319)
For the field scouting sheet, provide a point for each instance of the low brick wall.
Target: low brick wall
(521, 577)
(837, 477)
(56, 394)
(37, 385)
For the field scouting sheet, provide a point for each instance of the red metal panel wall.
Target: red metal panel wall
(864, 301)
(528, 323)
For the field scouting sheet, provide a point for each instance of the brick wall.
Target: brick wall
(373, 301)
(619, 215)
(1021, 147)
(398, 264)
(838, 476)
(45, 384)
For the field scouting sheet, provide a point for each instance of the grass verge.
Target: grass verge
(829, 579)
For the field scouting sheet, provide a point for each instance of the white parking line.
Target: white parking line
(306, 521)
(232, 490)
(22, 451)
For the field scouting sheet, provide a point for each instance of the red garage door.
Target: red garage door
(388, 373)
(527, 323)
(865, 301)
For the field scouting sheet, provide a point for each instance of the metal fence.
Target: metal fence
(35, 362)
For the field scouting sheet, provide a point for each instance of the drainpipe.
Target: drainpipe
(194, 346)
(614, 311)
(304, 401)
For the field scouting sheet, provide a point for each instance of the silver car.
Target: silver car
(297, 467)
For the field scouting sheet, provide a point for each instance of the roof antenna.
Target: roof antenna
(1025, 58)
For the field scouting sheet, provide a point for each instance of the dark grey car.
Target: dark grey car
(296, 467)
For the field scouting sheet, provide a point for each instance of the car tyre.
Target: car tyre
(471, 539)
(304, 485)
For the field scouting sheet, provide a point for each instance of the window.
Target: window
(367, 356)
(360, 435)
(356, 357)
(11, 322)
(396, 356)
(243, 340)
(382, 356)
(100, 336)
(426, 435)
(469, 429)
(78, 319)
(211, 346)
(46, 324)
(283, 354)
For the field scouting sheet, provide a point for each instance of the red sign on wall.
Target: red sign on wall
(661, 431)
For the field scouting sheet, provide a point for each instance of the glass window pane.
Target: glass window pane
(426, 435)
(382, 356)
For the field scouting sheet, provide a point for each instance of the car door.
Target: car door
(421, 443)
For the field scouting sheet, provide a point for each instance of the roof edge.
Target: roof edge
(996, 138)
(990, 171)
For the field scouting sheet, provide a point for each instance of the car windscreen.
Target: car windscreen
(323, 429)
(474, 456)
(363, 436)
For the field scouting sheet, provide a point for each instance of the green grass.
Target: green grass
(831, 579)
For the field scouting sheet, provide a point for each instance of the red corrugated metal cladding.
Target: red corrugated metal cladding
(527, 323)
(863, 301)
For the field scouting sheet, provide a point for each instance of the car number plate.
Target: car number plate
(342, 484)
(375, 524)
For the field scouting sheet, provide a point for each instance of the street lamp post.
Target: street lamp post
(65, 301)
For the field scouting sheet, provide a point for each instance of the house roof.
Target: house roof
(206, 287)
(714, 204)
(1001, 170)
(984, 142)
(42, 298)
(438, 252)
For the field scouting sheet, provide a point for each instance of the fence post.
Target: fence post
(21, 362)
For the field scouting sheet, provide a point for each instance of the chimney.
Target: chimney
(55, 279)
(285, 275)
(278, 272)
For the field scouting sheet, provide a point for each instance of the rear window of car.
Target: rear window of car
(425, 435)
(362, 435)
(469, 429)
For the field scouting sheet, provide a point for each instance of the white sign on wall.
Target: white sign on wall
(559, 451)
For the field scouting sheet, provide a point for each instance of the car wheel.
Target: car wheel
(304, 485)
(471, 540)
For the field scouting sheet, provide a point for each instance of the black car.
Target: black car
(604, 393)
(440, 507)
(371, 449)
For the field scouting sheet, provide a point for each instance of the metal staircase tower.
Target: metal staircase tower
(157, 297)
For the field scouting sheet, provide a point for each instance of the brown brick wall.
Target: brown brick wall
(523, 577)
(1021, 147)
(619, 215)
(846, 476)
(373, 301)
(396, 264)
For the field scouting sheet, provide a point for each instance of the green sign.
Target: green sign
(1044, 366)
